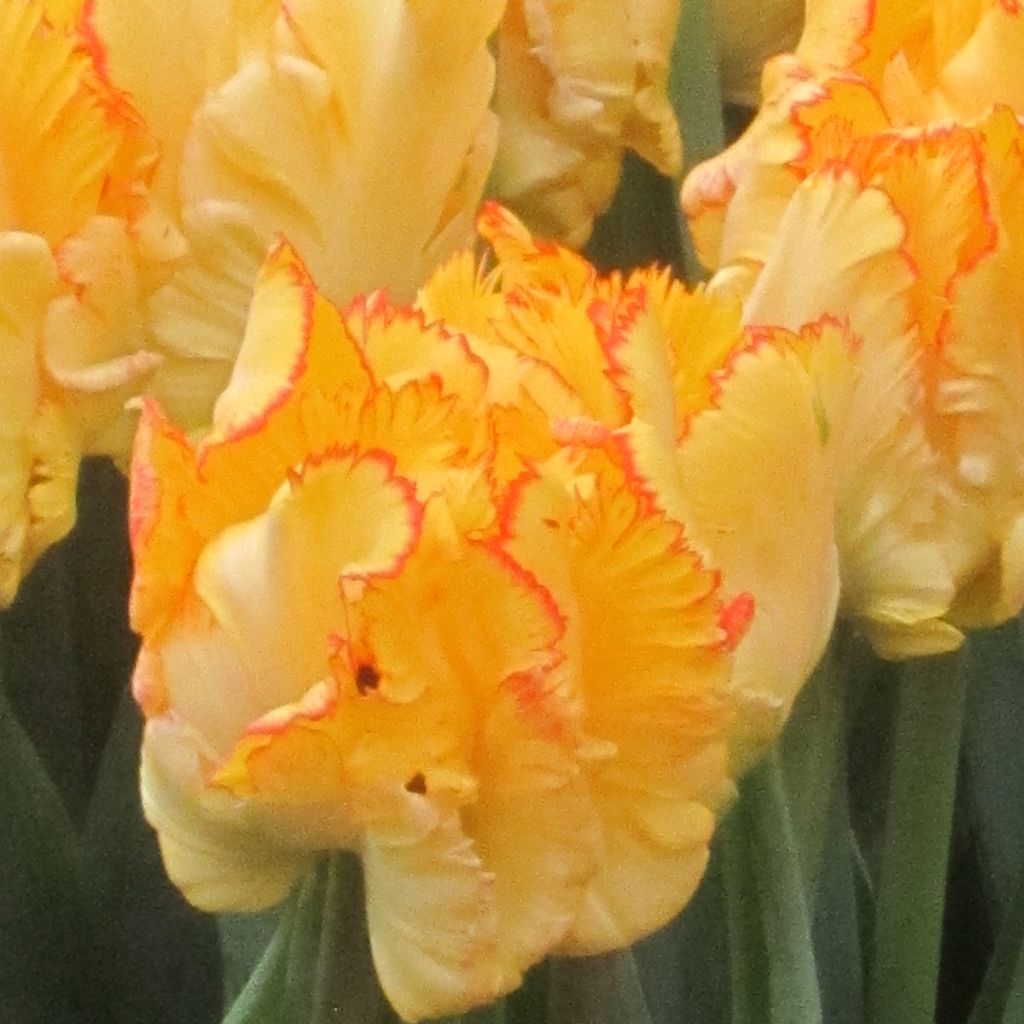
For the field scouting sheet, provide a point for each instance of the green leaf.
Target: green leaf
(1001, 999)
(994, 758)
(244, 939)
(695, 91)
(262, 998)
(836, 918)
(317, 968)
(915, 848)
(684, 967)
(43, 965)
(694, 84)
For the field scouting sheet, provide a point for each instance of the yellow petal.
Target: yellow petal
(432, 921)
(38, 451)
(534, 824)
(58, 142)
(210, 847)
(770, 531)
(166, 59)
(578, 83)
(645, 621)
(985, 70)
(399, 346)
(273, 583)
(165, 544)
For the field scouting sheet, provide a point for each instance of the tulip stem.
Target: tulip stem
(813, 752)
(903, 980)
(345, 985)
(603, 989)
(773, 969)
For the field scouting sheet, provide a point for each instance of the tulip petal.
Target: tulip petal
(645, 621)
(339, 517)
(534, 824)
(784, 552)
(432, 922)
(219, 861)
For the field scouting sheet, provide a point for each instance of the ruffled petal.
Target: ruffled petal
(432, 920)
(645, 621)
(273, 583)
(784, 552)
(577, 85)
(39, 450)
(212, 851)
(534, 824)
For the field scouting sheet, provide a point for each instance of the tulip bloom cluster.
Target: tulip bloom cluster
(152, 152)
(463, 595)
(887, 162)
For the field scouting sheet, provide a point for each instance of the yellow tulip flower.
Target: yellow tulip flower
(370, 621)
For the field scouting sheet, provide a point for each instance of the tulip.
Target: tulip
(76, 227)
(905, 226)
(579, 82)
(371, 621)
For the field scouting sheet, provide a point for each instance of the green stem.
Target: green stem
(792, 979)
(774, 973)
(345, 984)
(747, 969)
(49, 960)
(602, 989)
(912, 878)
(812, 752)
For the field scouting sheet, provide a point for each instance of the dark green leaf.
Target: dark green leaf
(1001, 999)
(42, 966)
(812, 753)
(994, 758)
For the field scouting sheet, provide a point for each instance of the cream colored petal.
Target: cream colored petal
(578, 83)
(847, 241)
(893, 547)
(216, 855)
(273, 583)
(297, 140)
(896, 562)
(199, 661)
(432, 920)
(760, 501)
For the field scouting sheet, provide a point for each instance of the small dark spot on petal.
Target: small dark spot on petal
(367, 678)
(417, 784)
